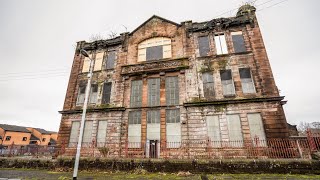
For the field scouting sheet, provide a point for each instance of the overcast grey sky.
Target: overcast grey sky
(37, 41)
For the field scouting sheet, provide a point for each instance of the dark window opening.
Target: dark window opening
(204, 47)
(106, 94)
(8, 138)
(238, 43)
(24, 139)
(110, 59)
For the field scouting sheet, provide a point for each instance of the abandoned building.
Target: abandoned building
(166, 86)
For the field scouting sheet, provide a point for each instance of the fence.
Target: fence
(297, 147)
(28, 150)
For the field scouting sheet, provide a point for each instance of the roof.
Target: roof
(152, 17)
(34, 138)
(13, 128)
(42, 131)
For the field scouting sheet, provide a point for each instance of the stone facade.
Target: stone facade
(188, 65)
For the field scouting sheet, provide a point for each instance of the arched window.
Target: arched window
(154, 48)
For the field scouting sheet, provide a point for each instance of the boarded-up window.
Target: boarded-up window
(136, 93)
(106, 94)
(98, 61)
(86, 64)
(172, 90)
(93, 94)
(246, 81)
(234, 130)
(173, 128)
(154, 48)
(227, 82)
(74, 133)
(154, 53)
(154, 92)
(102, 133)
(153, 126)
(214, 133)
(238, 42)
(81, 94)
(87, 134)
(204, 47)
(134, 129)
(221, 44)
(256, 129)
(208, 84)
(110, 59)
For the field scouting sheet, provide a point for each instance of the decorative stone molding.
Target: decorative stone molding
(155, 66)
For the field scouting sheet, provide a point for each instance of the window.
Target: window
(234, 129)
(153, 116)
(214, 133)
(0, 137)
(75, 126)
(134, 129)
(154, 48)
(153, 126)
(110, 59)
(43, 139)
(238, 42)
(221, 44)
(246, 81)
(204, 47)
(93, 94)
(98, 61)
(102, 133)
(173, 115)
(81, 93)
(173, 128)
(154, 92)
(208, 84)
(172, 90)
(136, 93)
(154, 53)
(87, 134)
(256, 129)
(86, 64)
(8, 138)
(24, 139)
(227, 83)
(106, 94)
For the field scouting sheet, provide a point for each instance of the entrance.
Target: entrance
(153, 149)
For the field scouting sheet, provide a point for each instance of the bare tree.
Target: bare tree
(303, 127)
(95, 37)
(112, 35)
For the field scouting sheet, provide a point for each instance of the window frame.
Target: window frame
(243, 47)
(221, 47)
(136, 93)
(224, 83)
(8, 138)
(172, 90)
(206, 83)
(155, 92)
(204, 51)
(108, 66)
(253, 91)
(106, 97)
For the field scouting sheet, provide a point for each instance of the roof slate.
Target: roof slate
(14, 128)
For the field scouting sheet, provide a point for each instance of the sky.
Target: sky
(37, 43)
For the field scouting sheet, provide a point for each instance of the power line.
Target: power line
(273, 5)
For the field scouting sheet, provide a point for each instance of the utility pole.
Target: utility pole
(84, 110)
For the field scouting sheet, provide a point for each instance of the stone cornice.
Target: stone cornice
(149, 67)
(96, 109)
(233, 101)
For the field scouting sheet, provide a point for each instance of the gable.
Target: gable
(154, 19)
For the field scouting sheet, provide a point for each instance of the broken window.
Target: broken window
(81, 93)
(208, 84)
(221, 44)
(111, 56)
(204, 47)
(87, 134)
(154, 92)
(74, 133)
(136, 93)
(154, 48)
(227, 82)
(134, 129)
(238, 42)
(172, 90)
(173, 128)
(154, 53)
(102, 133)
(234, 130)
(106, 94)
(93, 94)
(256, 129)
(246, 81)
(214, 132)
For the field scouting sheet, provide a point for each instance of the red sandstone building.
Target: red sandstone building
(165, 86)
